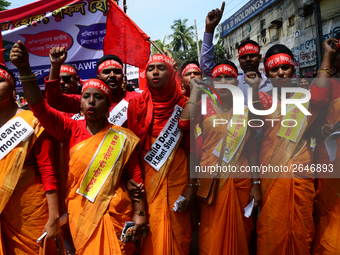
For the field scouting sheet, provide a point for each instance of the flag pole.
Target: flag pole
(154, 45)
(125, 66)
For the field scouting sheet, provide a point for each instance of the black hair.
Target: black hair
(246, 42)
(227, 62)
(109, 57)
(187, 63)
(9, 71)
(276, 49)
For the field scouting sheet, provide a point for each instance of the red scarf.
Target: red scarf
(147, 115)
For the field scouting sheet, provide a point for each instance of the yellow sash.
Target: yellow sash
(11, 165)
(285, 149)
(84, 215)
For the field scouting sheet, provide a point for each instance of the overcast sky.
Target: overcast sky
(155, 17)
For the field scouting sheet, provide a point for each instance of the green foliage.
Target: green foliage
(4, 4)
(182, 36)
(162, 45)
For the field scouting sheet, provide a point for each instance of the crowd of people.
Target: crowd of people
(90, 156)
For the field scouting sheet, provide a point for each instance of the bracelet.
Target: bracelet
(140, 213)
(27, 80)
(189, 102)
(325, 70)
(322, 130)
(257, 101)
(27, 77)
(256, 182)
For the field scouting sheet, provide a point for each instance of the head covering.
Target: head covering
(69, 70)
(223, 69)
(7, 76)
(190, 66)
(147, 115)
(248, 49)
(98, 84)
(109, 63)
(278, 59)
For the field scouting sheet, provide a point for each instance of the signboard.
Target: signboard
(248, 11)
(78, 25)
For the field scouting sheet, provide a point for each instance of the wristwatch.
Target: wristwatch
(140, 213)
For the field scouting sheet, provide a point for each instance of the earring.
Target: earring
(107, 115)
(81, 113)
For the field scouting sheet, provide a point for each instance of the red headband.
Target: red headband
(4, 74)
(278, 59)
(97, 84)
(223, 69)
(68, 69)
(160, 58)
(109, 63)
(248, 49)
(190, 66)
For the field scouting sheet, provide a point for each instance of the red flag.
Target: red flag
(125, 39)
(2, 57)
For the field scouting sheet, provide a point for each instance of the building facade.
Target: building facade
(287, 22)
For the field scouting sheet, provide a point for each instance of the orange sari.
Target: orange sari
(170, 232)
(224, 230)
(285, 224)
(327, 202)
(23, 205)
(96, 227)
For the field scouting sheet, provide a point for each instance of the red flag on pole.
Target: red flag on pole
(2, 57)
(125, 39)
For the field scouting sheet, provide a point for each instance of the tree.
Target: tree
(4, 4)
(182, 36)
(162, 45)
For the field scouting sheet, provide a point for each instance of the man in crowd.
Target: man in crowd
(109, 69)
(249, 55)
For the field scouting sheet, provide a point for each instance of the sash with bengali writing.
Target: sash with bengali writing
(290, 131)
(102, 164)
(286, 149)
(20, 132)
(236, 133)
(96, 165)
(163, 151)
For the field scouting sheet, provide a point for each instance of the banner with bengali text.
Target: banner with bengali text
(78, 25)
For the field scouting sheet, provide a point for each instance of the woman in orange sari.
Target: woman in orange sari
(285, 224)
(223, 227)
(28, 183)
(97, 202)
(154, 118)
(326, 92)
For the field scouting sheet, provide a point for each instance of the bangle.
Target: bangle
(322, 130)
(27, 77)
(190, 102)
(256, 182)
(140, 213)
(325, 70)
(257, 101)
